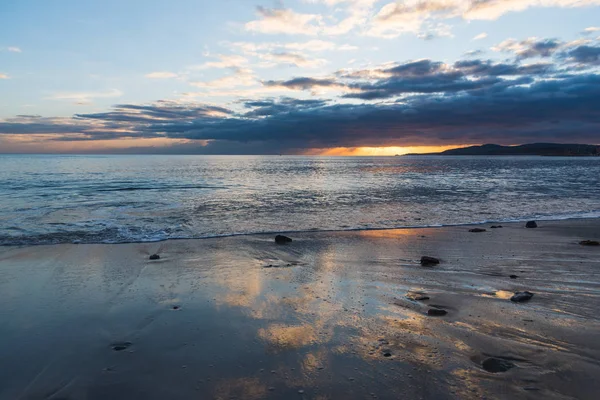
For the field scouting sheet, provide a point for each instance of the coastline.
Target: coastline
(571, 216)
(258, 320)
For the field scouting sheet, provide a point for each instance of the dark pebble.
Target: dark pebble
(589, 243)
(477, 230)
(121, 346)
(387, 354)
(154, 257)
(513, 277)
(519, 297)
(531, 224)
(496, 226)
(175, 307)
(280, 239)
(426, 260)
(434, 312)
(495, 365)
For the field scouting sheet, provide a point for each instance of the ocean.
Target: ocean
(47, 199)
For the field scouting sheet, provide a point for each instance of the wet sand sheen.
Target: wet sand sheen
(330, 315)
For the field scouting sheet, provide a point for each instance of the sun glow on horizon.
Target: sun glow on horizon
(382, 151)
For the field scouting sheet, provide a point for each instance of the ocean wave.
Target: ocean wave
(122, 235)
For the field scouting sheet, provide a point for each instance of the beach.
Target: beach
(331, 315)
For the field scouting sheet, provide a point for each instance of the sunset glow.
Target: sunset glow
(382, 151)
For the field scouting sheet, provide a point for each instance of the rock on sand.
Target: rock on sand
(280, 239)
(520, 297)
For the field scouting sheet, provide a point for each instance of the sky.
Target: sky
(334, 77)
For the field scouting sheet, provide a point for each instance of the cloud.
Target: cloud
(396, 18)
(482, 35)
(591, 30)
(4, 76)
(14, 49)
(304, 83)
(85, 96)
(239, 77)
(268, 107)
(225, 61)
(584, 55)
(161, 75)
(420, 102)
(529, 48)
(291, 59)
(314, 45)
(284, 21)
(474, 53)
(421, 77)
(431, 31)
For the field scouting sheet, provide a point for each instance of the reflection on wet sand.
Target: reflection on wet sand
(337, 315)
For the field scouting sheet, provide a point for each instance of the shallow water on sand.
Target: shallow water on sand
(328, 316)
(115, 199)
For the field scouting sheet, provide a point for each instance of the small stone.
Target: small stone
(271, 389)
(435, 312)
(495, 226)
(387, 354)
(426, 261)
(154, 257)
(520, 297)
(495, 365)
(280, 239)
(421, 298)
(513, 277)
(119, 346)
(300, 391)
(531, 224)
(175, 307)
(589, 243)
(477, 230)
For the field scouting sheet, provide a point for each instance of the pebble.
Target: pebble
(436, 312)
(589, 243)
(520, 297)
(495, 365)
(119, 346)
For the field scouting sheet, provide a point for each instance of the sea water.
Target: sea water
(47, 199)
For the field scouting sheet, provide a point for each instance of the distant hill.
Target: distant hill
(533, 149)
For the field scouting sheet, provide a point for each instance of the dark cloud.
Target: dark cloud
(161, 110)
(587, 55)
(422, 76)
(470, 101)
(539, 48)
(489, 68)
(302, 83)
(546, 110)
(279, 106)
(416, 68)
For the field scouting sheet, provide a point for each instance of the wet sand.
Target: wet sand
(324, 317)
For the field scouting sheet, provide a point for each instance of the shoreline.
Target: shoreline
(333, 231)
(330, 315)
